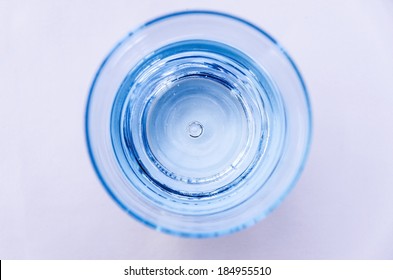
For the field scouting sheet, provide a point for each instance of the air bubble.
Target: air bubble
(195, 129)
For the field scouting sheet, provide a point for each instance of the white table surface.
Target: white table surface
(52, 205)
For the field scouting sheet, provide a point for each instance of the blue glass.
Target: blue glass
(198, 124)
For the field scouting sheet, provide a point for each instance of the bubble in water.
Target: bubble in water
(195, 129)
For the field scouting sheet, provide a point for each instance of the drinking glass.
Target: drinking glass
(198, 123)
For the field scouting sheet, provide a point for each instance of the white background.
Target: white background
(52, 205)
